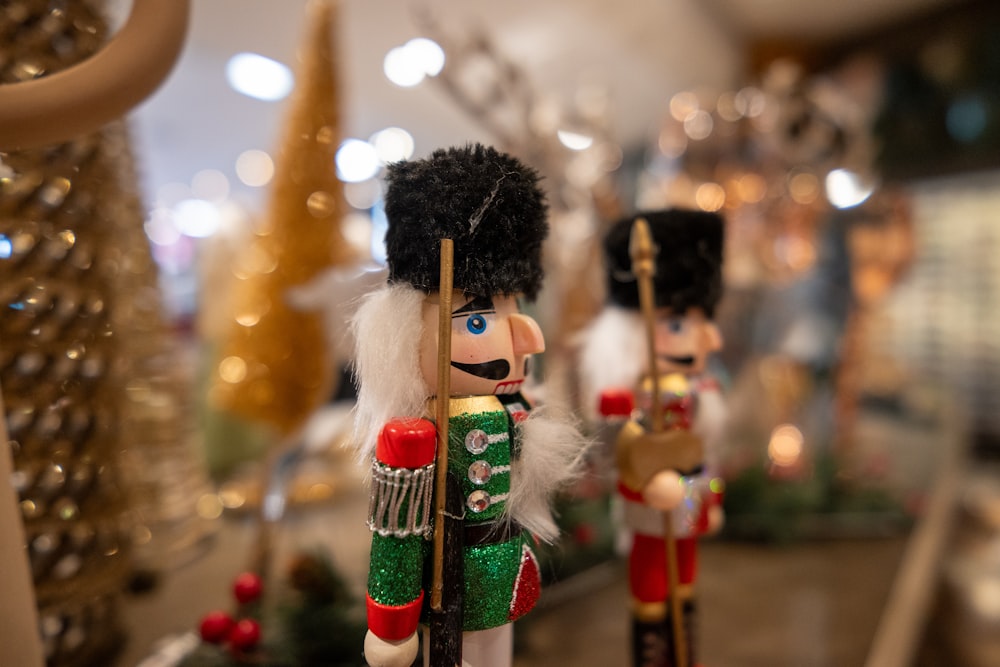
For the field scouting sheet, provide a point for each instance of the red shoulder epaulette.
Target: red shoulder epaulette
(406, 443)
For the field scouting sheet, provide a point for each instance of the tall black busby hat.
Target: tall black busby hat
(688, 260)
(487, 202)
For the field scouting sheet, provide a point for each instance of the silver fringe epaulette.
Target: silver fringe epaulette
(400, 503)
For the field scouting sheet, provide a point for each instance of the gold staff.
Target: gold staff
(441, 415)
(643, 257)
(445, 647)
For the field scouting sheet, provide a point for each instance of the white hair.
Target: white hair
(613, 354)
(387, 328)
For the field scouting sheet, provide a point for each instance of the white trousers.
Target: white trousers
(482, 648)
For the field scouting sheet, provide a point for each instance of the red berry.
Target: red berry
(245, 634)
(215, 626)
(247, 587)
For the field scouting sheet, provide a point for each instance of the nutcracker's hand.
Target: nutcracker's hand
(664, 491)
(387, 653)
(642, 454)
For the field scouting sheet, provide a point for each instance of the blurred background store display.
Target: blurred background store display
(192, 425)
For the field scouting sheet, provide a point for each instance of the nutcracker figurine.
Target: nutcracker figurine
(642, 367)
(502, 458)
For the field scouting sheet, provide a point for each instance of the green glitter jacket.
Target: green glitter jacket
(501, 574)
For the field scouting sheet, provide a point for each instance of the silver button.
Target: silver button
(478, 501)
(476, 441)
(480, 472)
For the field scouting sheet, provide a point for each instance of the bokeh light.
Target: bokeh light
(408, 65)
(392, 144)
(197, 218)
(259, 77)
(574, 140)
(210, 184)
(254, 168)
(710, 196)
(356, 161)
(846, 189)
(785, 446)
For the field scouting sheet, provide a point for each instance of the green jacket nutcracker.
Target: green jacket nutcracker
(504, 457)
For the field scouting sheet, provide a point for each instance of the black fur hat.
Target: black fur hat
(487, 202)
(688, 260)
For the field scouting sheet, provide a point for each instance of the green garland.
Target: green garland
(822, 504)
(317, 621)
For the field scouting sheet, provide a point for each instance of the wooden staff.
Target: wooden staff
(441, 415)
(447, 583)
(643, 257)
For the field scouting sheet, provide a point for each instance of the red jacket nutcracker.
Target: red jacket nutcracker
(660, 470)
(503, 457)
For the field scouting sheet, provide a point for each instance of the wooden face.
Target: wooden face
(683, 342)
(491, 342)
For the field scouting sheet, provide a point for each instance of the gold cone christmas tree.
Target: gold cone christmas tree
(166, 474)
(275, 366)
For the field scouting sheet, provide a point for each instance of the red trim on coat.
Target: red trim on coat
(392, 622)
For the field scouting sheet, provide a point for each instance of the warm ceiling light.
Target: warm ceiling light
(427, 53)
(356, 161)
(197, 218)
(574, 140)
(407, 65)
(392, 144)
(401, 69)
(259, 77)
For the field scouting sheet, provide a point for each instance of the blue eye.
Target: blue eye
(675, 324)
(476, 324)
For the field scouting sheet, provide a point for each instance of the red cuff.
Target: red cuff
(392, 622)
(406, 443)
(616, 403)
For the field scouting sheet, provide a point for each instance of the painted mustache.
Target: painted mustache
(680, 361)
(497, 369)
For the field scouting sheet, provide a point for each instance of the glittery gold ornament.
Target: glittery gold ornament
(275, 366)
(60, 262)
(82, 352)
